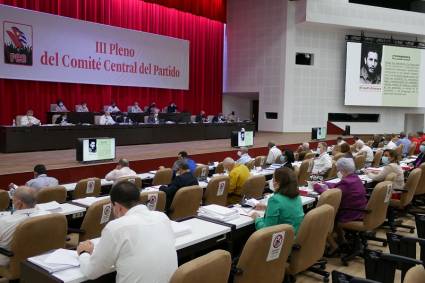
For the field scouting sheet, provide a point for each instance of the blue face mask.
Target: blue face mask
(422, 148)
(385, 160)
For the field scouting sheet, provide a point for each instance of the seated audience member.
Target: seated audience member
(23, 202)
(421, 157)
(154, 117)
(231, 117)
(182, 155)
(285, 205)
(106, 119)
(287, 158)
(421, 136)
(172, 108)
(60, 106)
(113, 108)
(151, 108)
(346, 149)
(121, 170)
(353, 194)
(82, 107)
(414, 138)
(219, 118)
(274, 153)
(390, 162)
(139, 243)
(323, 163)
(365, 150)
(201, 117)
(184, 178)
(62, 119)
(29, 119)
(135, 108)
(340, 140)
(392, 144)
(243, 156)
(238, 174)
(377, 139)
(302, 150)
(40, 180)
(356, 139)
(405, 142)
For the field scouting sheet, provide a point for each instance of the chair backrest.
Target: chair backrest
(399, 150)
(311, 238)
(145, 119)
(420, 189)
(56, 193)
(415, 274)
(97, 216)
(154, 200)
(192, 118)
(4, 200)
(260, 161)
(391, 177)
(132, 179)
(87, 188)
(54, 118)
(377, 158)
(220, 168)
(77, 107)
(186, 202)
(411, 185)
(34, 236)
(129, 108)
(201, 171)
(333, 198)
(254, 187)
(18, 120)
(309, 155)
(412, 149)
(217, 190)
(304, 173)
(332, 173)
(338, 155)
(97, 119)
(213, 267)
(378, 205)
(250, 164)
(264, 255)
(162, 177)
(53, 107)
(210, 118)
(360, 161)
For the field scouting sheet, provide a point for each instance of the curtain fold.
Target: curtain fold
(206, 60)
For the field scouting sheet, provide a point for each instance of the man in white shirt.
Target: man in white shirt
(23, 202)
(60, 106)
(29, 119)
(365, 150)
(106, 119)
(139, 243)
(40, 180)
(122, 170)
(323, 163)
(113, 108)
(392, 144)
(274, 152)
(82, 108)
(136, 108)
(243, 156)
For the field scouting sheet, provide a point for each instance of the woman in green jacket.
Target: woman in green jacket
(284, 206)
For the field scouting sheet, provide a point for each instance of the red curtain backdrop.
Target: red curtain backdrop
(206, 60)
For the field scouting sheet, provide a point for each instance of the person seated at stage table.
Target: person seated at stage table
(60, 106)
(135, 108)
(346, 149)
(353, 198)
(273, 154)
(172, 108)
(219, 118)
(391, 165)
(113, 108)
(366, 151)
(238, 174)
(182, 155)
(151, 108)
(287, 158)
(23, 201)
(82, 107)
(62, 119)
(121, 170)
(243, 156)
(285, 205)
(139, 243)
(106, 119)
(154, 117)
(231, 117)
(302, 150)
(421, 157)
(29, 119)
(201, 117)
(184, 178)
(323, 163)
(405, 142)
(40, 180)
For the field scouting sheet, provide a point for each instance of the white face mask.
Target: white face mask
(339, 175)
(271, 186)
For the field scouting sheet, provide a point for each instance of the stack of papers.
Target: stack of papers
(49, 206)
(180, 229)
(274, 166)
(89, 200)
(58, 260)
(218, 212)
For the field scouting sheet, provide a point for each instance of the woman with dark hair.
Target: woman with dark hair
(284, 206)
(287, 158)
(345, 148)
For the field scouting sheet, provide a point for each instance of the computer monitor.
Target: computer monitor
(242, 138)
(95, 149)
(318, 133)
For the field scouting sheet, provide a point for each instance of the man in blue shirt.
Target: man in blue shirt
(405, 142)
(185, 157)
(243, 156)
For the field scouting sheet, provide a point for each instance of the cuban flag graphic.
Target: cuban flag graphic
(17, 36)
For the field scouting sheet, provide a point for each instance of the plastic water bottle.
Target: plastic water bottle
(14, 123)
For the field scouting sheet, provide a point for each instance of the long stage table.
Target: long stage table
(38, 138)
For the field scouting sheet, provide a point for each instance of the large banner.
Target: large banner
(44, 47)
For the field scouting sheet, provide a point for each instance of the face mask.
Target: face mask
(385, 160)
(239, 153)
(339, 175)
(271, 186)
(422, 148)
(283, 159)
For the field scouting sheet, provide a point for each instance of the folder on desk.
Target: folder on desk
(180, 229)
(49, 206)
(60, 259)
(218, 212)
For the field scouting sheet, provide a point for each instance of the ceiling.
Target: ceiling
(394, 4)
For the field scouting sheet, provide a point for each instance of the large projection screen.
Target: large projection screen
(383, 75)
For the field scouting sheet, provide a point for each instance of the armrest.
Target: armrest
(400, 190)
(6, 252)
(76, 230)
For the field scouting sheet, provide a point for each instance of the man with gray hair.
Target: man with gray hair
(302, 150)
(243, 156)
(274, 153)
(122, 170)
(238, 174)
(365, 150)
(23, 204)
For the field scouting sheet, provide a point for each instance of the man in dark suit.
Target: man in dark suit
(172, 108)
(201, 117)
(183, 178)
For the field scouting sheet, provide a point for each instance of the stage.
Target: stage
(17, 167)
